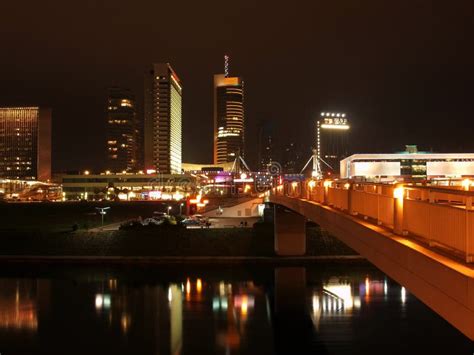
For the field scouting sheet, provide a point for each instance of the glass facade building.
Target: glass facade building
(163, 120)
(123, 131)
(25, 143)
(229, 122)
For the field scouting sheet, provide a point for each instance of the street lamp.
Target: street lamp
(169, 209)
(180, 208)
(103, 212)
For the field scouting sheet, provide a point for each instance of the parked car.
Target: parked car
(188, 222)
(153, 221)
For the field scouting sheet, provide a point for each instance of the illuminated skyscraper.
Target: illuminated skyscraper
(331, 140)
(123, 131)
(25, 143)
(163, 120)
(229, 123)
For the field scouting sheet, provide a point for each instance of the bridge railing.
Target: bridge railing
(440, 217)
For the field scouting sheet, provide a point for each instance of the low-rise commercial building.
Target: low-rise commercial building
(127, 186)
(410, 164)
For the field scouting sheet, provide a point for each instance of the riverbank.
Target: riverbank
(164, 241)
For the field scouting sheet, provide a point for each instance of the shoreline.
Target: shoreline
(93, 259)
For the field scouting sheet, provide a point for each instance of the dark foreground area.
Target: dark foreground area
(46, 229)
(163, 241)
(326, 308)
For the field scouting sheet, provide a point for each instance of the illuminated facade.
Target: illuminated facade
(123, 131)
(25, 143)
(163, 120)
(127, 186)
(229, 123)
(409, 164)
(331, 140)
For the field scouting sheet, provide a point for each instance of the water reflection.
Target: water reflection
(18, 305)
(272, 310)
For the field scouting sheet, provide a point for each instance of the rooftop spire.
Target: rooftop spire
(226, 65)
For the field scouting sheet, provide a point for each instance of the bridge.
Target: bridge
(421, 236)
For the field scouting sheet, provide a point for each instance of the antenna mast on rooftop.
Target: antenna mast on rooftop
(226, 65)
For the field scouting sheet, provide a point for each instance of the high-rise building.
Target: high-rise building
(122, 132)
(163, 120)
(25, 143)
(332, 140)
(292, 158)
(229, 123)
(265, 144)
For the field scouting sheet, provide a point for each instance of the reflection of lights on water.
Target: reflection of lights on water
(98, 301)
(385, 287)
(170, 295)
(188, 286)
(315, 303)
(102, 301)
(244, 305)
(221, 288)
(125, 322)
(344, 296)
(403, 295)
(367, 287)
(199, 285)
(107, 301)
(244, 302)
(219, 303)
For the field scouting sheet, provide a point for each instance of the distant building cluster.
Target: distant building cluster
(154, 142)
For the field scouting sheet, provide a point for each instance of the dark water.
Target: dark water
(255, 309)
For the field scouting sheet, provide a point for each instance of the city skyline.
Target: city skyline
(347, 58)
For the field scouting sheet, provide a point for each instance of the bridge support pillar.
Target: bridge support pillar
(290, 232)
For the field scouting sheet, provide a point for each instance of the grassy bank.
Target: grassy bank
(50, 217)
(162, 241)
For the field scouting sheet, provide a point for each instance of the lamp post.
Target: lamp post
(169, 209)
(103, 212)
(180, 208)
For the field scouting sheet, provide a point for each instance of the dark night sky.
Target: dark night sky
(402, 70)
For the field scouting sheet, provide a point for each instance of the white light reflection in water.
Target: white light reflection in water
(403, 295)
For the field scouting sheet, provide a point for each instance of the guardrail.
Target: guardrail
(440, 217)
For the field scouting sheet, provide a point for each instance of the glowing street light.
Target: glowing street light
(103, 212)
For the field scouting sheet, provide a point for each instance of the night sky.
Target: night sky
(401, 70)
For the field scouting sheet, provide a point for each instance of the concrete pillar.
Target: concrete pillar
(290, 232)
(326, 193)
(350, 194)
(469, 237)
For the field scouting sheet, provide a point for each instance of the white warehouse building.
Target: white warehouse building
(409, 164)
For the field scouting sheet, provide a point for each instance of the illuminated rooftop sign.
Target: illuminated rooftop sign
(331, 120)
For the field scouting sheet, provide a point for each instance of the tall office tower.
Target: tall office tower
(123, 131)
(265, 144)
(229, 123)
(25, 143)
(331, 140)
(163, 120)
(292, 158)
